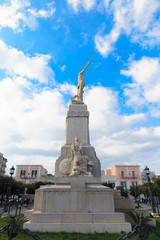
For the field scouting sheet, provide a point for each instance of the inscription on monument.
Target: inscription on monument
(78, 114)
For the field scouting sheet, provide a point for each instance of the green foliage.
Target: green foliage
(3, 184)
(17, 186)
(124, 192)
(75, 236)
(156, 186)
(122, 233)
(136, 217)
(31, 187)
(135, 190)
(20, 219)
(144, 189)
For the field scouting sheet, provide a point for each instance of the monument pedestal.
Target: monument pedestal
(77, 125)
(79, 204)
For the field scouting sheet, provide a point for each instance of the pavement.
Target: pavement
(24, 208)
(149, 208)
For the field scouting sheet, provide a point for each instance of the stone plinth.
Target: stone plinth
(79, 227)
(88, 151)
(79, 205)
(77, 124)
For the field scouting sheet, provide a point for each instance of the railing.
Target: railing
(12, 230)
(142, 229)
(130, 177)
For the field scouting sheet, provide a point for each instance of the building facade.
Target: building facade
(3, 165)
(126, 175)
(30, 173)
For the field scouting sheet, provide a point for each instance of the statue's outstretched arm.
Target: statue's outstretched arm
(87, 65)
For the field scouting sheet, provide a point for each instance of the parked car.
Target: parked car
(14, 199)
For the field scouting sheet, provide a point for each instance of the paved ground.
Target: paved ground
(145, 206)
(24, 208)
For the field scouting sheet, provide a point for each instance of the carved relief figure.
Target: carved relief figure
(77, 164)
(81, 84)
(80, 165)
(76, 154)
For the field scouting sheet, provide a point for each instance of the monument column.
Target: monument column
(77, 123)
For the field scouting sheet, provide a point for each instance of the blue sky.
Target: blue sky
(43, 46)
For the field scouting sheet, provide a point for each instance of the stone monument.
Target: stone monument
(77, 202)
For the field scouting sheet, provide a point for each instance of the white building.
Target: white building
(3, 165)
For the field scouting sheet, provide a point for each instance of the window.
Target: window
(122, 173)
(134, 184)
(133, 173)
(22, 174)
(34, 173)
(123, 184)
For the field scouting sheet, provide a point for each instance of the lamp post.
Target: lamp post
(9, 189)
(150, 188)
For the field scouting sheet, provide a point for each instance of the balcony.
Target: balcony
(128, 177)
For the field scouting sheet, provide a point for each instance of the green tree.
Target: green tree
(33, 186)
(156, 186)
(30, 188)
(124, 192)
(17, 187)
(3, 184)
(135, 190)
(144, 189)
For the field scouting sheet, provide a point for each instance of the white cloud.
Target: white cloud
(63, 68)
(32, 122)
(32, 15)
(67, 88)
(104, 111)
(16, 14)
(86, 4)
(134, 146)
(16, 62)
(145, 88)
(137, 19)
(105, 44)
(33, 126)
(42, 13)
(117, 138)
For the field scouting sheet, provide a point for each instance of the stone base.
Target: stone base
(76, 205)
(79, 227)
(38, 217)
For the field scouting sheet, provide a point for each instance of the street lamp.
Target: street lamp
(9, 189)
(147, 172)
(12, 170)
